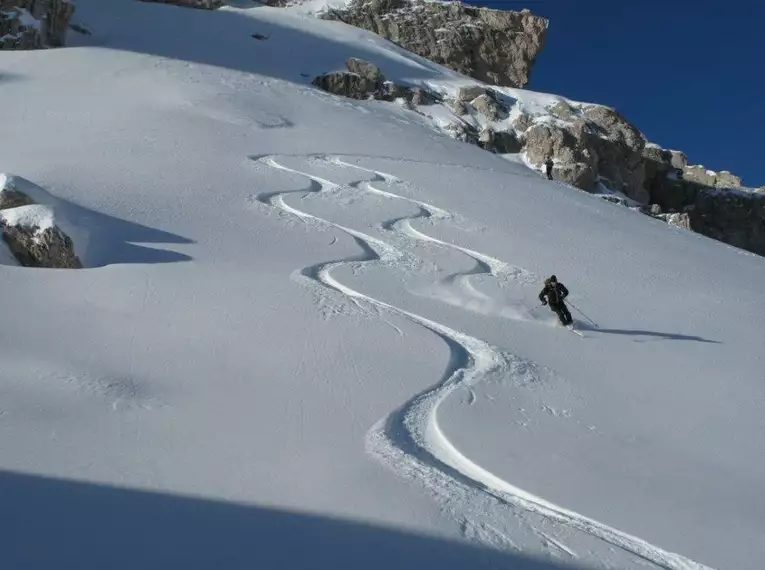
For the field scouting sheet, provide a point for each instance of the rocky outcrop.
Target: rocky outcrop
(34, 24)
(493, 46)
(364, 80)
(709, 178)
(710, 203)
(736, 218)
(10, 197)
(201, 4)
(489, 107)
(345, 84)
(617, 148)
(30, 232)
(588, 144)
(500, 142)
(467, 93)
(41, 247)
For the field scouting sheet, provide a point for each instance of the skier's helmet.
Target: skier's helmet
(553, 279)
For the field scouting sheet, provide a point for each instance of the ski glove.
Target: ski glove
(544, 302)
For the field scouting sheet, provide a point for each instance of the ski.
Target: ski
(573, 330)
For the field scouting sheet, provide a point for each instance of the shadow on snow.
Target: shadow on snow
(115, 241)
(224, 38)
(652, 335)
(51, 523)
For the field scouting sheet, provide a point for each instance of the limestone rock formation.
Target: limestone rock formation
(709, 178)
(736, 218)
(40, 247)
(588, 144)
(501, 142)
(344, 83)
(34, 24)
(564, 111)
(489, 107)
(364, 80)
(10, 197)
(30, 232)
(494, 46)
(467, 93)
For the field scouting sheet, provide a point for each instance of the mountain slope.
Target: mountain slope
(322, 306)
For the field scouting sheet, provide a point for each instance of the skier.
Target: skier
(554, 294)
(549, 167)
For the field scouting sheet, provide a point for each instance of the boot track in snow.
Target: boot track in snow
(410, 439)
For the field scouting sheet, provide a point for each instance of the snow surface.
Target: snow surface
(308, 334)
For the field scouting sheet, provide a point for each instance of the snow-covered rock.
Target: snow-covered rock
(364, 80)
(31, 221)
(34, 24)
(489, 107)
(35, 240)
(467, 93)
(710, 178)
(500, 142)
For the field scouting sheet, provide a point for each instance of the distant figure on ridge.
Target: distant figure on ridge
(549, 167)
(554, 294)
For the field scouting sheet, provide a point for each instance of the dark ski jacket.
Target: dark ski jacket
(553, 293)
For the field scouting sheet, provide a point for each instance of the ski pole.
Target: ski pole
(585, 316)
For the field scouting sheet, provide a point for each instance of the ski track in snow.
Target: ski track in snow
(410, 439)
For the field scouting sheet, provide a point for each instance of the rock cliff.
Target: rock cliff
(494, 46)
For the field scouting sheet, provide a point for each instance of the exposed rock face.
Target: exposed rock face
(501, 142)
(589, 144)
(494, 46)
(736, 218)
(617, 147)
(577, 174)
(31, 244)
(545, 139)
(489, 107)
(12, 198)
(676, 220)
(711, 179)
(34, 24)
(345, 84)
(574, 162)
(366, 71)
(463, 132)
(469, 92)
(562, 110)
(709, 202)
(35, 247)
(202, 4)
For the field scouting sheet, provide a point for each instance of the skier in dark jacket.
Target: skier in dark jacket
(554, 294)
(549, 167)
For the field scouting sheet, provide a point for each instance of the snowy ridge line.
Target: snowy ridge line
(410, 438)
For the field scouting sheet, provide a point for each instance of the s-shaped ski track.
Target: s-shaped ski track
(410, 439)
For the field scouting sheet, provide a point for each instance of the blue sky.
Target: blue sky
(689, 74)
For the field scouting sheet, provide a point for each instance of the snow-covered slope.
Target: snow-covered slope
(307, 333)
